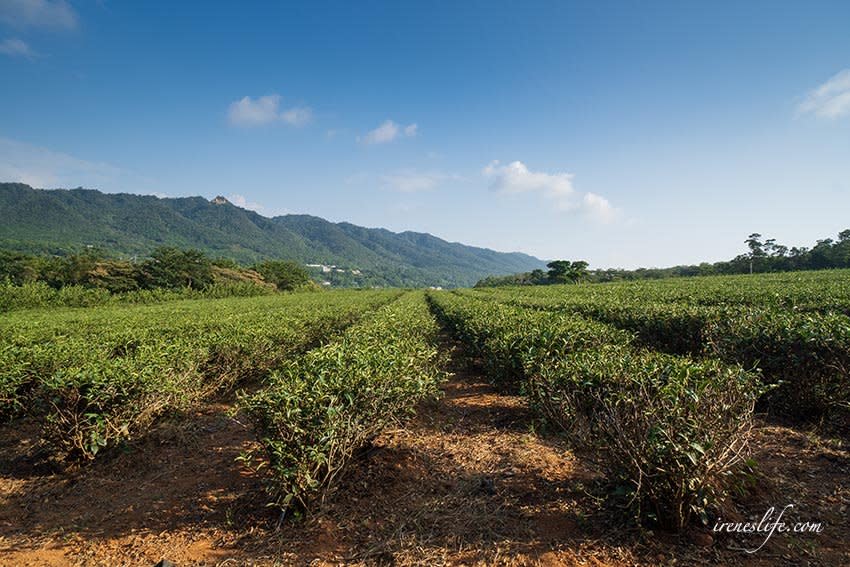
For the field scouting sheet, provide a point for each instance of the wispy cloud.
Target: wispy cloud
(829, 100)
(297, 116)
(245, 203)
(41, 167)
(599, 208)
(16, 48)
(389, 131)
(260, 111)
(53, 14)
(242, 201)
(516, 178)
(409, 181)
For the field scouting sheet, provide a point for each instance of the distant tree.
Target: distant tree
(19, 268)
(117, 276)
(537, 277)
(228, 263)
(285, 274)
(578, 271)
(565, 271)
(841, 250)
(756, 248)
(821, 255)
(170, 267)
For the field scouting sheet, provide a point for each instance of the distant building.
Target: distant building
(326, 269)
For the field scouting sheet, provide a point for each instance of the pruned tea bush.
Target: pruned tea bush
(670, 430)
(806, 355)
(96, 377)
(319, 409)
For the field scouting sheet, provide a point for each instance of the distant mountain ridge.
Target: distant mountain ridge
(63, 220)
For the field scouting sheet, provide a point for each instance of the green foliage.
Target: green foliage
(286, 275)
(786, 325)
(319, 409)
(172, 268)
(18, 269)
(510, 340)
(96, 377)
(806, 355)
(564, 271)
(763, 257)
(330, 371)
(670, 429)
(41, 295)
(63, 222)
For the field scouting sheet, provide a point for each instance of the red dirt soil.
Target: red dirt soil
(467, 482)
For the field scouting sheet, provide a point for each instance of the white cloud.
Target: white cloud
(516, 178)
(16, 48)
(249, 112)
(268, 212)
(56, 14)
(412, 181)
(389, 131)
(297, 116)
(599, 208)
(41, 167)
(829, 100)
(386, 132)
(242, 201)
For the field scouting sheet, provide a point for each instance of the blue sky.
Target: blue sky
(624, 133)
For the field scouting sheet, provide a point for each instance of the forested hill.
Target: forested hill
(60, 221)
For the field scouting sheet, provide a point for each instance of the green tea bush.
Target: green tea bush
(510, 340)
(95, 377)
(318, 410)
(670, 430)
(671, 328)
(806, 355)
(41, 295)
(803, 353)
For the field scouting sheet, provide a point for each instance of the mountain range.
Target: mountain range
(59, 221)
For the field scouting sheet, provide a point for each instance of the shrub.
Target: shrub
(286, 275)
(670, 429)
(669, 327)
(173, 268)
(96, 377)
(510, 340)
(806, 355)
(318, 410)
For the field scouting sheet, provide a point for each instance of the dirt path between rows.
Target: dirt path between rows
(468, 481)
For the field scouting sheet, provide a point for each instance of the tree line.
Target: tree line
(167, 267)
(763, 255)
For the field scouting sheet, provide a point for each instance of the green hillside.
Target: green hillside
(60, 221)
